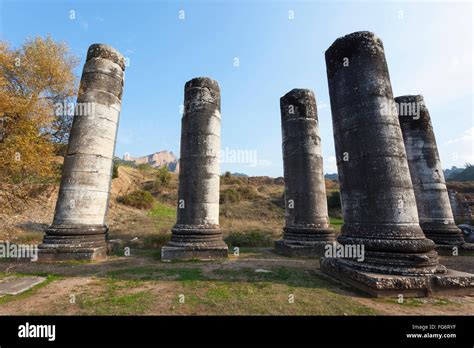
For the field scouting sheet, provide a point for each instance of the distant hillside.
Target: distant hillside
(467, 174)
(448, 173)
(332, 176)
(239, 174)
(157, 159)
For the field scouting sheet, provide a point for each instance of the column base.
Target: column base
(392, 285)
(74, 243)
(465, 249)
(306, 240)
(292, 248)
(190, 242)
(57, 254)
(448, 234)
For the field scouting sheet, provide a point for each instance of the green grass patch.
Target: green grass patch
(335, 221)
(113, 300)
(161, 210)
(420, 302)
(152, 273)
(221, 297)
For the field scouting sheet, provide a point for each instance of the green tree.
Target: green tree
(163, 178)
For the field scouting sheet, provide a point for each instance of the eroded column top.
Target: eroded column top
(303, 102)
(106, 52)
(412, 110)
(201, 91)
(352, 45)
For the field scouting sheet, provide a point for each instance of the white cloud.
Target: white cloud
(322, 105)
(458, 151)
(330, 165)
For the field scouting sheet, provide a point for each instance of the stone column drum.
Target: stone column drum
(196, 234)
(78, 231)
(432, 200)
(307, 229)
(378, 201)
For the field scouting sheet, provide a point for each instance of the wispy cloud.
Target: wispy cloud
(330, 165)
(459, 150)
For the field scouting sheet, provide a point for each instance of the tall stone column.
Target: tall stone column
(78, 230)
(307, 229)
(432, 200)
(196, 234)
(378, 201)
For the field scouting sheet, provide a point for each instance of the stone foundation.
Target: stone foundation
(393, 285)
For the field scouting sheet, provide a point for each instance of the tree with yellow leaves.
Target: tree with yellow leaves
(33, 79)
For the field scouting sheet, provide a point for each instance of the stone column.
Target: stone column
(307, 229)
(381, 227)
(432, 200)
(78, 230)
(196, 234)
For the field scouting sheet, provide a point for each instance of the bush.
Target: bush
(334, 200)
(254, 238)
(138, 199)
(247, 193)
(144, 167)
(230, 195)
(163, 178)
(115, 173)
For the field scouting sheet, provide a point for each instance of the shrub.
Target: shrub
(115, 173)
(163, 178)
(138, 199)
(230, 195)
(247, 193)
(144, 167)
(254, 238)
(334, 200)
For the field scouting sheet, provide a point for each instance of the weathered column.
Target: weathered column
(196, 234)
(78, 230)
(307, 229)
(378, 201)
(432, 200)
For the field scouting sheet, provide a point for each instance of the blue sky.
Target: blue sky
(428, 47)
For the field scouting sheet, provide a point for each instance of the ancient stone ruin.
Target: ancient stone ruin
(307, 228)
(196, 234)
(432, 200)
(78, 231)
(390, 176)
(378, 200)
